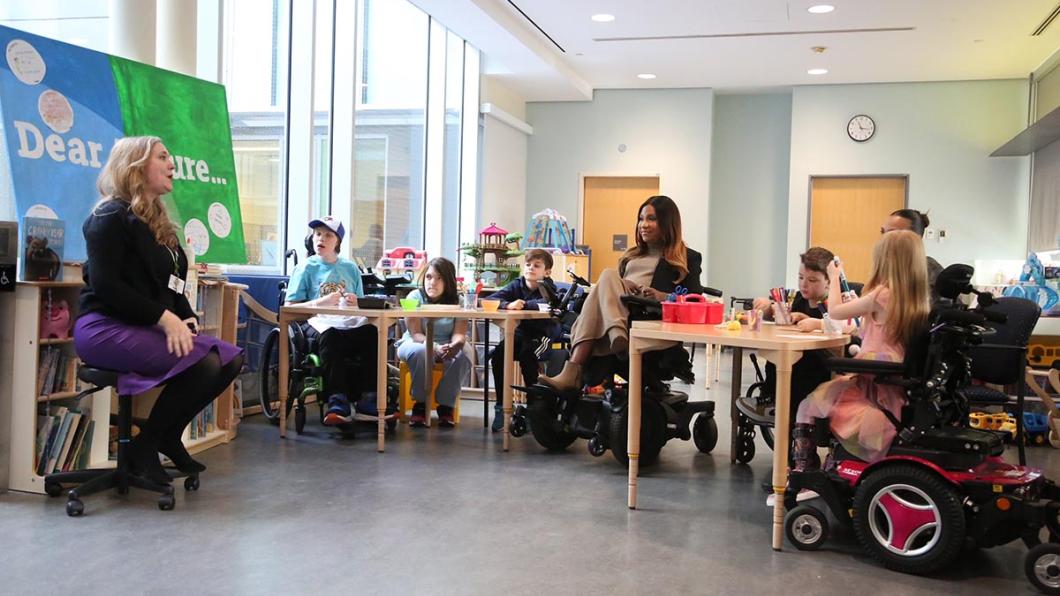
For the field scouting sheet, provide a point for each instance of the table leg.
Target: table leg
(381, 380)
(428, 359)
(737, 383)
(485, 373)
(633, 429)
(783, 361)
(709, 372)
(284, 375)
(509, 372)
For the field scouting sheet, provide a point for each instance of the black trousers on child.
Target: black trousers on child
(349, 357)
(524, 355)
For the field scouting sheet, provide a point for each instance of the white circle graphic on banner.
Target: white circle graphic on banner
(220, 220)
(197, 236)
(25, 62)
(56, 111)
(42, 211)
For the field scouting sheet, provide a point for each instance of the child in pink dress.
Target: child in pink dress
(893, 308)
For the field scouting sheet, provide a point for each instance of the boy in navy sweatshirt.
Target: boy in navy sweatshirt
(532, 289)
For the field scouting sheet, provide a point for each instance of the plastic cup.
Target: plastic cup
(409, 304)
(782, 314)
(490, 305)
(469, 301)
(544, 308)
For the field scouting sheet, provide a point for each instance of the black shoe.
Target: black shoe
(175, 451)
(445, 416)
(498, 420)
(419, 415)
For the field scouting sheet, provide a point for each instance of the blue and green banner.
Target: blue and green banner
(62, 109)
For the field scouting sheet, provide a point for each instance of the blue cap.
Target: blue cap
(333, 223)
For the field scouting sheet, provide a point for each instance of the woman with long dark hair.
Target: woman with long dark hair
(658, 263)
(135, 318)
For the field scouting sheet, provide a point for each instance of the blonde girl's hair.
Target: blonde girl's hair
(899, 264)
(123, 179)
(668, 219)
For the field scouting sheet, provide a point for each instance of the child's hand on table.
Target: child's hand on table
(808, 325)
(516, 305)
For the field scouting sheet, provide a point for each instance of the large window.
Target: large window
(352, 108)
(389, 152)
(255, 67)
(83, 23)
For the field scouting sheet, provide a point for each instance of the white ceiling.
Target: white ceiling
(947, 40)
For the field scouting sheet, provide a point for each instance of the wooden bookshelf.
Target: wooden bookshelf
(55, 342)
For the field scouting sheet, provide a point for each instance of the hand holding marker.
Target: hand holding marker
(844, 286)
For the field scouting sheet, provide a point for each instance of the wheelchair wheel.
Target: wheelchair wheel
(269, 376)
(745, 440)
(705, 433)
(908, 519)
(1042, 567)
(547, 429)
(806, 527)
(652, 433)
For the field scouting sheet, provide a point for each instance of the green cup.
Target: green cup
(409, 304)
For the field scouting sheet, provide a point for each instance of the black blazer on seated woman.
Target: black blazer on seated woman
(665, 274)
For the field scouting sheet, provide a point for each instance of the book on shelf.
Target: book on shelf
(69, 462)
(84, 450)
(71, 421)
(42, 250)
(45, 432)
(60, 439)
(56, 416)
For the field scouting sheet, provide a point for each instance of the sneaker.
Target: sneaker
(498, 420)
(366, 410)
(338, 410)
(445, 416)
(419, 415)
(804, 495)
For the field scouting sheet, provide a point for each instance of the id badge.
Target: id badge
(176, 284)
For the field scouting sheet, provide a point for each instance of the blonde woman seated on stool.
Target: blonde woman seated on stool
(653, 268)
(437, 286)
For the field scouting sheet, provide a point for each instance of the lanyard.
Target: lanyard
(176, 265)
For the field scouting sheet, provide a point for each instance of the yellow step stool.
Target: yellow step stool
(405, 396)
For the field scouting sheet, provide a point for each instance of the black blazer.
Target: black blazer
(127, 272)
(665, 273)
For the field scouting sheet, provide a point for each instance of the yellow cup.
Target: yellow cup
(490, 305)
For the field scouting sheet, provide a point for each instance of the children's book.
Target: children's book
(42, 249)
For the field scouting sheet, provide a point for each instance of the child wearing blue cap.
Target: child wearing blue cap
(327, 279)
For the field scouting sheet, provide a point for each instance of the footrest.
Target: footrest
(759, 413)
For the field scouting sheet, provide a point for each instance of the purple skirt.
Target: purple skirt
(139, 351)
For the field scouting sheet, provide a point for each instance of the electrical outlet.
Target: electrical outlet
(942, 236)
(930, 234)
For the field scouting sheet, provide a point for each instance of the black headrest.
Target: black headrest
(954, 281)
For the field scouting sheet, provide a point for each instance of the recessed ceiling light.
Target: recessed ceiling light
(646, 76)
(603, 18)
(820, 8)
(817, 71)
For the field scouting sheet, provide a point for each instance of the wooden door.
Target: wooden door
(609, 216)
(846, 215)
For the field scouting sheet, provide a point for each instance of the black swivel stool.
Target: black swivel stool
(120, 477)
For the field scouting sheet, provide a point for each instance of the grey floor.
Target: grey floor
(448, 512)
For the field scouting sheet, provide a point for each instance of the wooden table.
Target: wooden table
(510, 319)
(383, 319)
(783, 346)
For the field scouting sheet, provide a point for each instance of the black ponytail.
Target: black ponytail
(918, 222)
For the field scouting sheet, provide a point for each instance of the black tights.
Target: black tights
(185, 395)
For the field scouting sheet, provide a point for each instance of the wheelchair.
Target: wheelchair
(558, 418)
(305, 368)
(942, 486)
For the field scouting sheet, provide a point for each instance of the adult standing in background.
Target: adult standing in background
(917, 222)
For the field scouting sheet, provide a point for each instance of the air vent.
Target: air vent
(756, 34)
(1048, 21)
(536, 26)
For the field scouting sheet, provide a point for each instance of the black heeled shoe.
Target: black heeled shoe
(175, 451)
